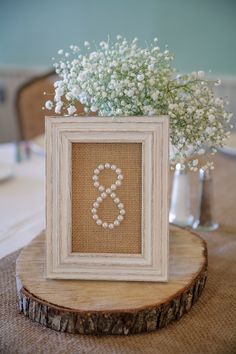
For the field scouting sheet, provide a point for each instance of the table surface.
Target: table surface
(22, 197)
(210, 327)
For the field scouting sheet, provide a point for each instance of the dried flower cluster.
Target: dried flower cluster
(122, 79)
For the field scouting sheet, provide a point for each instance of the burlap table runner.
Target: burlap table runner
(209, 328)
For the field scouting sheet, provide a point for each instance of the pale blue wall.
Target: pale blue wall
(202, 33)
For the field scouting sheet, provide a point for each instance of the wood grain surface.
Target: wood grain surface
(106, 307)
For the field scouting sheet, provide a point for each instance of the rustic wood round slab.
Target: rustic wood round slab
(108, 307)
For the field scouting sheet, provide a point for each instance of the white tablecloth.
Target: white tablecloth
(22, 201)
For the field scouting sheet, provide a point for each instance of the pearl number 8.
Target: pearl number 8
(109, 192)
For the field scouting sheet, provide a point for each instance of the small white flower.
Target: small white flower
(140, 77)
(103, 45)
(193, 75)
(172, 106)
(60, 51)
(57, 98)
(71, 110)
(218, 83)
(58, 107)
(152, 81)
(151, 67)
(86, 44)
(124, 67)
(119, 111)
(59, 91)
(68, 96)
(201, 152)
(75, 91)
(58, 83)
(49, 104)
(140, 86)
(201, 74)
(83, 98)
(93, 55)
(130, 93)
(94, 109)
(211, 118)
(82, 76)
(218, 101)
(199, 112)
(209, 130)
(190, 109)
(155, 95)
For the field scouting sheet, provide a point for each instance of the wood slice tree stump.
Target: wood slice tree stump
(108, 307)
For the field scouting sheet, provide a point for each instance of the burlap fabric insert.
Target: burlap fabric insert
(86, 235)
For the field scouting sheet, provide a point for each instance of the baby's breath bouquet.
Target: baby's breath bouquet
(123, 79)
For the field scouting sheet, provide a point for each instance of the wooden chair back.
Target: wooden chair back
(30, 99)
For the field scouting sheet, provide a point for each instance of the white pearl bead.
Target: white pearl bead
(105, 192)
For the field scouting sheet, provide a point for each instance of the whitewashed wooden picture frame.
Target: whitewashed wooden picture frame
(63, 136)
